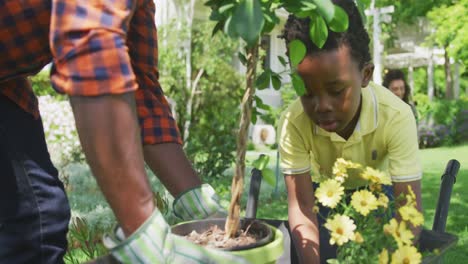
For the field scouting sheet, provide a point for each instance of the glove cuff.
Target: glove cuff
(197, 203)
(145, 245)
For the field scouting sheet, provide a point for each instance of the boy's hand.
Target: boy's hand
(154, 243)
(198, 203)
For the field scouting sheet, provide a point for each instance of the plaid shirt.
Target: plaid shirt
(97, 47)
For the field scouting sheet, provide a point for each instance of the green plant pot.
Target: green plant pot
(265, 251)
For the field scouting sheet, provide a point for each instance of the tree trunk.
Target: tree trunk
(430, 79)
(187, 11)
(448, 76)
(232, 222)
(456, 81)
(189, 106)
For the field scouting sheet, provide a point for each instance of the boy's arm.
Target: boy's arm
(404, 158)
(302, 220)
(402, 188)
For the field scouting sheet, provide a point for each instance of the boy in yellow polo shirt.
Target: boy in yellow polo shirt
(341, 115)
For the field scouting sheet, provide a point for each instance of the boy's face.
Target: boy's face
(333, 83)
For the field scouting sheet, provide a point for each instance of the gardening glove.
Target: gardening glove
(198, 203)
(153, 242)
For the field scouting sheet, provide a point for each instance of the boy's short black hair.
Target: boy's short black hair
(393, 75)
(355, 37)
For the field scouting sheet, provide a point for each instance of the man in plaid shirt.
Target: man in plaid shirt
(104, 55)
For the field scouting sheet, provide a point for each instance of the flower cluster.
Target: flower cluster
(60, 131)
(362, 222)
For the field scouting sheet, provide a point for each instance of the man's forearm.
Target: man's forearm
(169, 163)
(110, 137)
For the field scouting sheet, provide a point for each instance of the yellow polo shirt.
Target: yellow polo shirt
(385, 138)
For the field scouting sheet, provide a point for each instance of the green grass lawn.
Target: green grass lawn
(434, 162)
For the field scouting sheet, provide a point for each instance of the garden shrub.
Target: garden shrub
(442, 121)
(41, 85)
(60, 131)
(430, 135)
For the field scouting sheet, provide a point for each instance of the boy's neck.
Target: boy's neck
(348, 131)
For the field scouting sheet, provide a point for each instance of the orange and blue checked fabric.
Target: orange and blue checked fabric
(96, 47)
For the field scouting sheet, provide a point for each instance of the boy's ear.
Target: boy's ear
(366, 73)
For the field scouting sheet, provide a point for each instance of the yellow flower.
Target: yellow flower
(376, 176)
(315, 209)
(406, 255)
(400, 233)
(340, 169)
(383, 200)
(375, 187)
(411, 214)
(341, 229)
(364, 202)
(383, 257)
(391, 227)
(329, 193)
(358, 238)
(410, 197)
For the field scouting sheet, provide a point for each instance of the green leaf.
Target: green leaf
(308, 6)
(302, 14)
(276, 81)
(305, 9)
(269, 176)
(226, 7)
(263, 80)
(271, 20)
(217, 28)
(298, 84)
(297, 51)
(282, 60)
(340, 21)
(261, 162)
(242, 58)
(361, 9)
(215, 15)
(259, 103)
(325, 8)
(253, 118)
(230, 29)
(247, 20)
(318, 31)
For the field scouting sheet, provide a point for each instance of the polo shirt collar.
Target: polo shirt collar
(368, 118)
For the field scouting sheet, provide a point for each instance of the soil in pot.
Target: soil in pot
(210, 233)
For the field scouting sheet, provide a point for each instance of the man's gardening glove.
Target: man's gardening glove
(153, 243)
(198, 203)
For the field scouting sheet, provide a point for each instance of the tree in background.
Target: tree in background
(450, 33)
(214, 91)
(446, 17)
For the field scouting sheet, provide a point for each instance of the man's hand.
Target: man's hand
(198, 203)
(153, 242)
